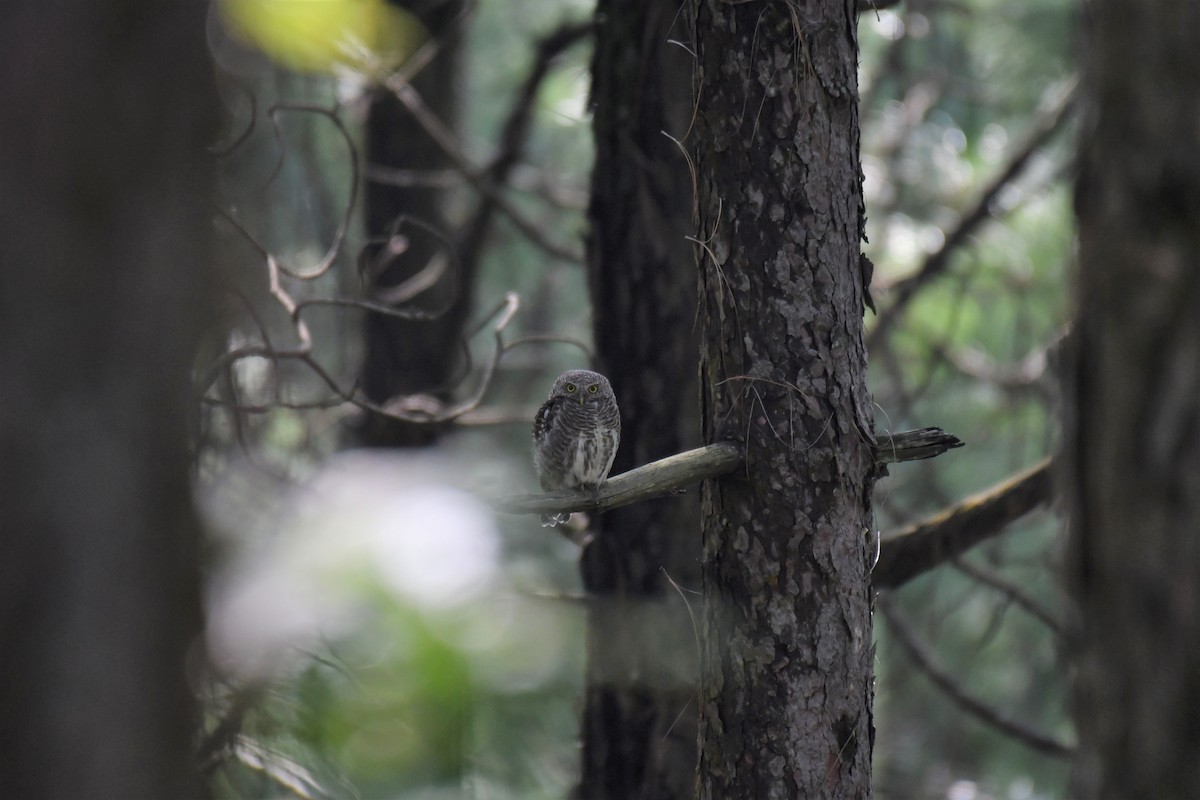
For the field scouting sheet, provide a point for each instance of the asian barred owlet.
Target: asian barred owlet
(575, 435)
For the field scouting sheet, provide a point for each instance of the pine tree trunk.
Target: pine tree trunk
(105, 192)
(786, 682)
(639, 719)
(1135, 429)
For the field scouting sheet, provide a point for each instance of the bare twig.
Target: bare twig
(927, 662)
(416, 408)
(289, 305)
(513, 136)
(477, 177)
(220, 150)
(1013, 592)
(516, 127)
(404, 178)
(955, 530)
(343, 227)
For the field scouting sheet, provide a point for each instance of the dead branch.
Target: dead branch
(892, 448)
(925, 660)
(651, 480)
(920, 548)
(668, 475)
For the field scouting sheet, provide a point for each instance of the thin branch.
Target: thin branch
(374, 308)
(343, 227)
(445, 139)
(937, 262)
(220, 150)
(404, 178)
(516, 127)
(320, 404)
(289, 304)
(927, 662)
(920, 548)
(1013, 592)
(421, 408)
(512, 138)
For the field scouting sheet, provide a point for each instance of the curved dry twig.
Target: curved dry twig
(343, 227)
(219, 150)
(927, 662)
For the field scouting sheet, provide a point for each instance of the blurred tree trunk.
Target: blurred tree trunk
(104, 197)
(1135, 440)
(785, 706)
(414, 356)
(639, 729)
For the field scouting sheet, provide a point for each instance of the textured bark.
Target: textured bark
(104, 197)
(785, 706)
(1135, 431)
(639, 729)
(411, 356)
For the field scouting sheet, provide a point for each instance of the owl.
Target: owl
(575, 435)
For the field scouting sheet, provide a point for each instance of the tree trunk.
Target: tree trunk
(786, 681)
(639, 720)
(1135, 435)
(410, 356)
(104, 197)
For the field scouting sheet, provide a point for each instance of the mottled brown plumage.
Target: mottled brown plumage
(575, 435)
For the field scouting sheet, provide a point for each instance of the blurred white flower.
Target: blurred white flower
(366, 523)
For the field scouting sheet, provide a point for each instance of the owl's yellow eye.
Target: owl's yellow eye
(570, 387)
(593, 388)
